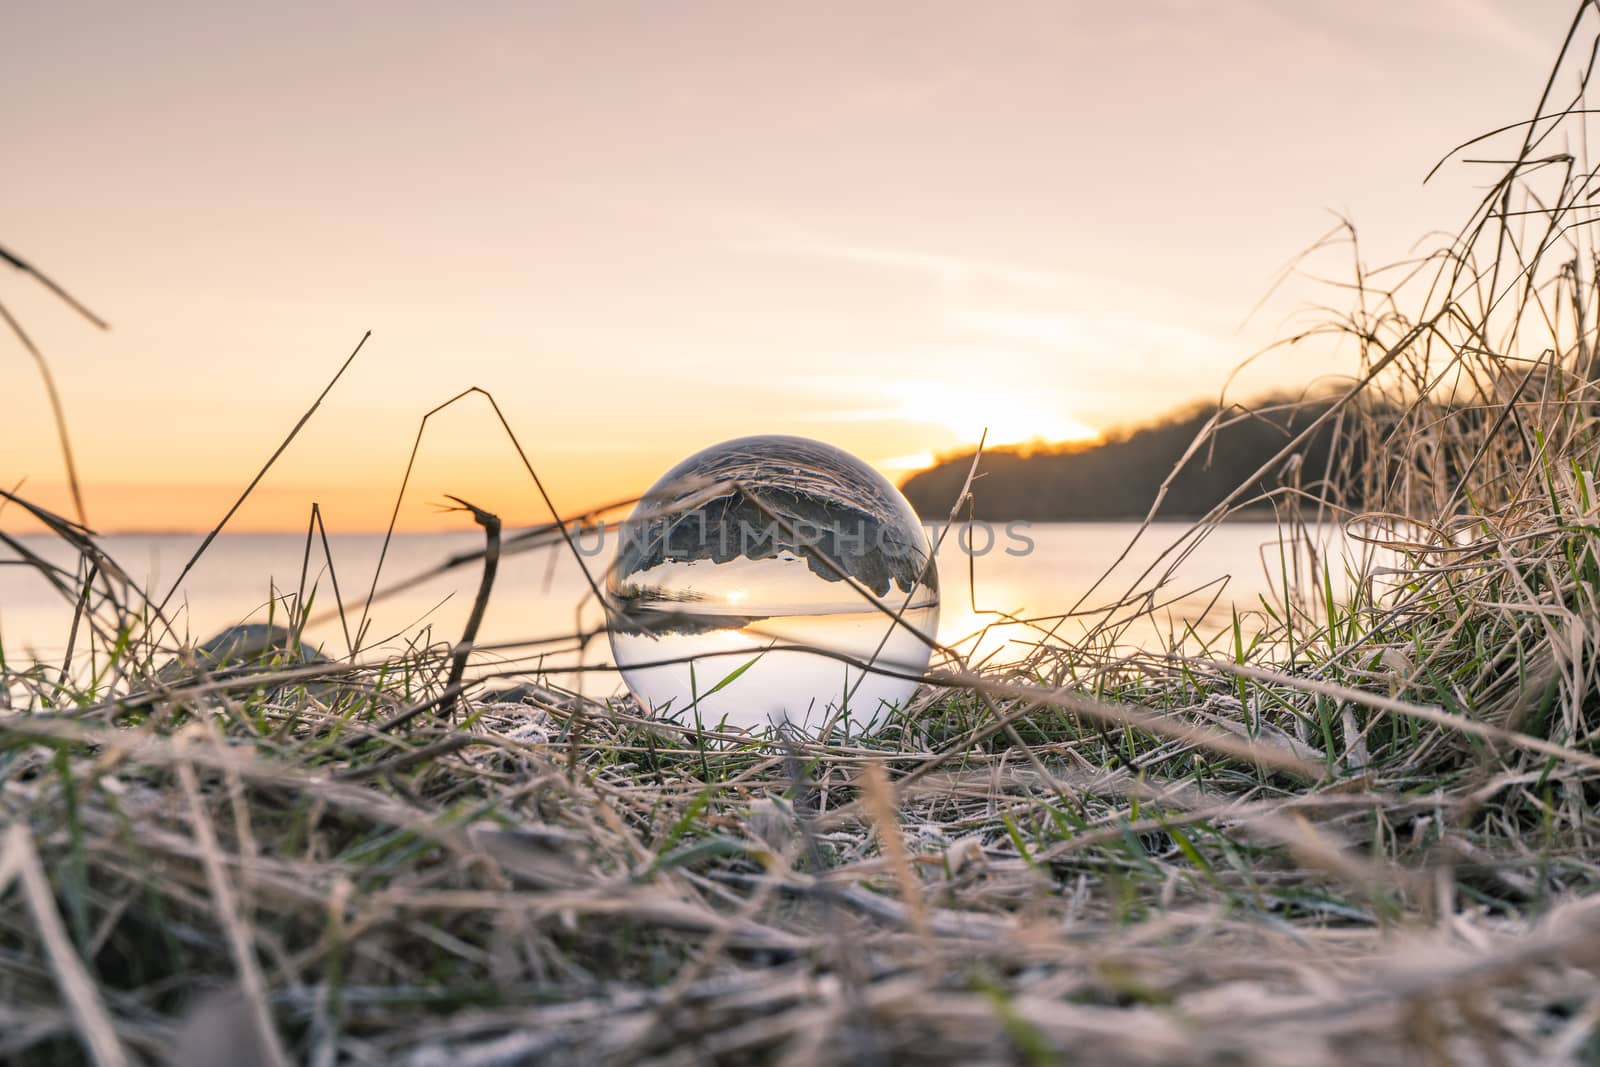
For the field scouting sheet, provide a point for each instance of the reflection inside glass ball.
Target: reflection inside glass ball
(750, 588)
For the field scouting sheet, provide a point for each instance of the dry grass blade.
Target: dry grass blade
(211, 535)
(20, 861)
(1455, 723)
(879, 795)
(51, 392)
(1220, 741)
(57, 411)
(251, 981)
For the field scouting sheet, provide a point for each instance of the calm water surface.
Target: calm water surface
(543, 593)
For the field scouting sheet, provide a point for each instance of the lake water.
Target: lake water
(1029, 571)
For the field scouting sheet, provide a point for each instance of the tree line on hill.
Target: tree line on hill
(1118, 477)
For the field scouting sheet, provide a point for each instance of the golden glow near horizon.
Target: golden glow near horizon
(646, 228)
(999, 417)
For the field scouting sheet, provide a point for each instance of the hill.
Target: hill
(1118, 477)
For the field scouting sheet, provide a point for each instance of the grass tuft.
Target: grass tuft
(1354, 827)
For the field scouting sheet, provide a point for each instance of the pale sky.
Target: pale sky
(648, 227)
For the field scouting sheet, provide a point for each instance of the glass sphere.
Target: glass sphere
(757, 584)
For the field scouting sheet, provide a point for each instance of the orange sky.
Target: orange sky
(648, 227)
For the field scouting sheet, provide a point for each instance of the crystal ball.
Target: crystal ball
(771, 581)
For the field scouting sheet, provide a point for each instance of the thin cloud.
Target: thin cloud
(1494, 24)
(1008, 414)
(1483, 21)
(947, 269)
(1051, 331)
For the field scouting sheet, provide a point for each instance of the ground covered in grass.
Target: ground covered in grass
(1354, 828)
(252, 862)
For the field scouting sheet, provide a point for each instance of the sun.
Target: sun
(1018, 424)
(1012, 416)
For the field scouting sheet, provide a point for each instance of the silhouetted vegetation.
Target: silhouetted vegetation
(1120, 476)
